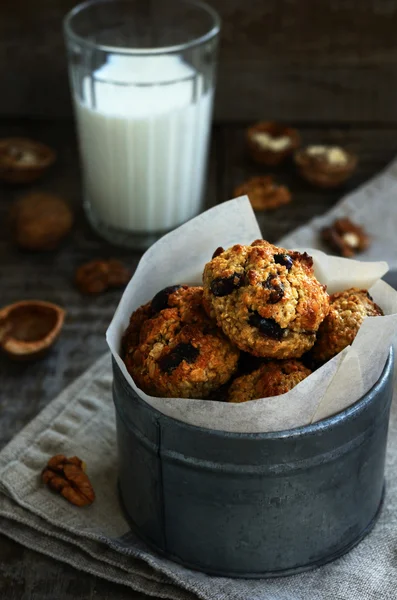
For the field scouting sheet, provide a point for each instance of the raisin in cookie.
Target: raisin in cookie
(347, 311)
(266, 299)
(180, 351)
(271, 379)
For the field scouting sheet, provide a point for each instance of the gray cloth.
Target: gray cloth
(97, 539)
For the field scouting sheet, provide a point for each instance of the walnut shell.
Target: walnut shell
(271, 155)
(319, 171)
(23, 160)
(41, 221)
(29, 328)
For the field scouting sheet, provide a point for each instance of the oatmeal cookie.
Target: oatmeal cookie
(347, 311)
(271, 379)
(264, 193)
(169, 297)
(266, 299)
(179, 351)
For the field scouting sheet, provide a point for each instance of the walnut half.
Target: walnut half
(345, 237)
(67, 477)
(270, 143)
(325, 166)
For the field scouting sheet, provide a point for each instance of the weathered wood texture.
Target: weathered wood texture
(285, 59)
(26, 388)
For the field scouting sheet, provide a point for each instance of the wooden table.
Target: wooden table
(26, 388)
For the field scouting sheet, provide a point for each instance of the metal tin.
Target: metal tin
(252, 505)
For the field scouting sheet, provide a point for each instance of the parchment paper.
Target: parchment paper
(372, 205)
(180, 256)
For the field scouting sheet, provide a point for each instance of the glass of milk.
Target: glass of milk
(142, 75)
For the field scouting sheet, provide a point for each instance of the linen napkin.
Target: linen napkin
(97, 539)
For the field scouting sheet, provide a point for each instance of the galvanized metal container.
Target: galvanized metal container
(252, 505)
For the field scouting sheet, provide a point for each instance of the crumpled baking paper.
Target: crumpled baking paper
(179, 258)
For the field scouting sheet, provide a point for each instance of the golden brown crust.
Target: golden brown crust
(276, 151)
(181, 352)
(264, 193)
(348, 309)
(266, 299)
(130, 338)
(271, 379)
(318, 170)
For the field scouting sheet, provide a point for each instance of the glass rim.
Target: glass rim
(197, 41)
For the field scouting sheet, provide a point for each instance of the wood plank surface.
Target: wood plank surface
(283, 59)
(26, 388)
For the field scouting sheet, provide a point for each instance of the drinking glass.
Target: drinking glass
(142, 76)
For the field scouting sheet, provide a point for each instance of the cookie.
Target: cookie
(266, 299)
(171, 296)
(264, 193)
(180, 351)
(271, 379)
(347, 311)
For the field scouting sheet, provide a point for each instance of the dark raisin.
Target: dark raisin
(284, 260)
(218, 251)
(223, 286)
(276, 294)
(182, 352)
(268, 327)
(160, 300)
(277, 289)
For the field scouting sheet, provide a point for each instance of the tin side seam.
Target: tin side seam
(161, 486)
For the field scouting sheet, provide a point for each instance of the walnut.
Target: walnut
(270, 143)
(264, 193)
(29, 328)
(325, 166)
(67, 476)
(40, 221)
(23, 160)
(345, 237)
(97, 276)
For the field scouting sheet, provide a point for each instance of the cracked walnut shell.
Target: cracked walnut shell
(29, 328)
(325, 166)
(40, 221)
(345, 237)
(67, 477)
(264, 193)
(97, 276)
(23, 160)
(270, 143)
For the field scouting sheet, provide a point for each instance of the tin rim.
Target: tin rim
(297, 432)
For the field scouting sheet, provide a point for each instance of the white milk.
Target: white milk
(143, 145)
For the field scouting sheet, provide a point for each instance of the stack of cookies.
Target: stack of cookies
(256, 328)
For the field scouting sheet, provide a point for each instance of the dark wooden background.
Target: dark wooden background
(300, 60)
(327, 66)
